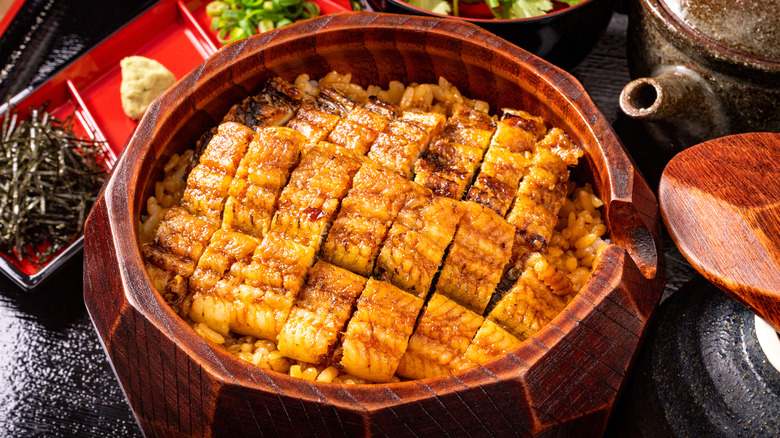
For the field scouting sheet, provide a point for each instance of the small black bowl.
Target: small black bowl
(563, 37)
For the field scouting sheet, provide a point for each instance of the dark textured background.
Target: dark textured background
(55, 379)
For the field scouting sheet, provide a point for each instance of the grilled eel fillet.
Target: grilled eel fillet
(209, 182)
(310, 201)
(378, 332)
(274, 106)
(540, 196)
(368, 211)
(172, 256)
(415, 245)
(255, 277)
(490, 342)
(450, 338)
(480, 250)
(452, 159)
(256, 298)
(184, 232)
(539, 295)
(506, 161)
(320, 313)
(440, 341)
(217, 275)
(261, 175)
(405, 139)
(358, 130)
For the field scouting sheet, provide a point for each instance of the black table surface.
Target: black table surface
(55, 378)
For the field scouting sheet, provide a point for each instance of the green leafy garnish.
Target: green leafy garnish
(237, 19)
(436, 6)
(523, 8)
(501, 9)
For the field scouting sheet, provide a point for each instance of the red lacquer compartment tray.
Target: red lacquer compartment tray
(174, 32)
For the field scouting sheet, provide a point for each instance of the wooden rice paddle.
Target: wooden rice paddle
(720, 201)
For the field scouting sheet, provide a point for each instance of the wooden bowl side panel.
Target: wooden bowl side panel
(103, 292)
(476, 403)
(166, 388)
(242, 412)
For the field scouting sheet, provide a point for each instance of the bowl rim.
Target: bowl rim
(142, 152)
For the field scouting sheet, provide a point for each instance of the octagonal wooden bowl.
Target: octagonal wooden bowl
(563, 381)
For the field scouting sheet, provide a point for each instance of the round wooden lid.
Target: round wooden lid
(720, 201)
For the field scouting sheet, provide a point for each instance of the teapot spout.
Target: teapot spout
(678, 100)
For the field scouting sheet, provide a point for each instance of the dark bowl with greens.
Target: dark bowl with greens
(562, 32)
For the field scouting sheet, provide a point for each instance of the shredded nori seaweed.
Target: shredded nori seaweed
(49, 179)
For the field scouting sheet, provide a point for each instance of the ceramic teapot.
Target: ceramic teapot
(703, 69)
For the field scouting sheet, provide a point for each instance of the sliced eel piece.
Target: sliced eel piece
(212, 285)
(540, 196)
(405, 140)
(399, 146)
(320, 313)
(532, 231)
(453, 157)
(469, 127)
(357, 127)
(499, 177)
(334, 102)
(358, 130)
(518, 131)
(557, 142)
(368, 211)
(440, 341)
(477, 257)
(490, 342)
(415, 244)
(507, 160)
(430, 122)
(313, 123)
(260, 178)
(256, 299)
(209, 182)
(310, 201)
(546, 180)
(378, 332)
(225, 249)
(447, 168)
(172, 256)
(531, 303)
(274, 106)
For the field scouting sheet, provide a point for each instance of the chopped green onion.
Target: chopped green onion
(215, 9)
(236, 19)
(310, 9)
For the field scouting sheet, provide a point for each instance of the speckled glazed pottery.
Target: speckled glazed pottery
(703, 68)
(706, 370)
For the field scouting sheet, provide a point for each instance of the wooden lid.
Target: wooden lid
(720, 201)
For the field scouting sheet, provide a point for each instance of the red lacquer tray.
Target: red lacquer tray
(174, 32)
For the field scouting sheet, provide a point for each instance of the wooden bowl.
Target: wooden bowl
(562, 381)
